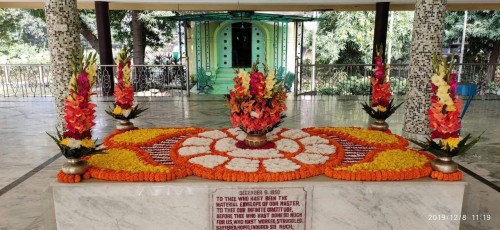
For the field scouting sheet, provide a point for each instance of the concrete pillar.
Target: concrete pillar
(380, 35)
(105, 49)
(428, 26)
(63, 30)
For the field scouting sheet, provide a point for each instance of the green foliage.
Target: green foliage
(351, 85)
(135, 113)
(347, 37)
(73, 153)
(436, 147)
(336, 29)
(483, 29)
(157, 29)
(377, 114)
(19, 27)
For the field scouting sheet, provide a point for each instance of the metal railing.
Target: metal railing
(148, 80)
(354, 79)
(172, 80)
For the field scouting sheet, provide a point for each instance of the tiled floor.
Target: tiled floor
(24, 144)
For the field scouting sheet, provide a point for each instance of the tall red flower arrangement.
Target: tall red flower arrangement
(381, 103)
(76, 140)
(444, 114)
(445, 105)
(124, 91)
(257, 101)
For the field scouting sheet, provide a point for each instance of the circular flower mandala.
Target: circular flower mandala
(295, 154)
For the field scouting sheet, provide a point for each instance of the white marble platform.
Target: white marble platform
(187, 204)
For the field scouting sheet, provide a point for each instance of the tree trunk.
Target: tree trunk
(87, 33)
(495, 54)
(138, 38)
(138, 49)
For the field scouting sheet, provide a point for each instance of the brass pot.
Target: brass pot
(75, 166)
(124, 125)
(255, 140)
(380, 125)
(444, 165)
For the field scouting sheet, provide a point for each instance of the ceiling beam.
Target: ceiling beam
(260, 7)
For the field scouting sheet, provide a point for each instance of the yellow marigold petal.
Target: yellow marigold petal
(370, 136)
(394, 160)
(144, 135)
(124, 160)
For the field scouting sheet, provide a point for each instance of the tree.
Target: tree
(138, 29)
(18, 26)
(347, 37)
(149, 28)
(483, 36)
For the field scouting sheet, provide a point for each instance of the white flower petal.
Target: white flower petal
(311, 159)
(280, 165)
(214, 134)
(209, 161)
(226, 145)
(287, 145)
(270, 136)
(321, 149)
(74, 143)
(241, 136)
(294, 134)
(243, 165)
(197, 141)
(255, 153)
(276, 130)
(235, 131)
(313, 140)
(126, 112)
(193, 150)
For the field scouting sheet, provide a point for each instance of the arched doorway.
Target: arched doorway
(239, 45)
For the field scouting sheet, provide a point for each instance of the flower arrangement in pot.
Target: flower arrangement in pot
(124, 108)
(444, 121)
(382, 106)
(76, 140)
(257, 103)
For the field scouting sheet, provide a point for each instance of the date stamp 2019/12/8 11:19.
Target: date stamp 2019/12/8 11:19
(474, 217)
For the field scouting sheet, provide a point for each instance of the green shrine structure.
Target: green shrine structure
(219, 43)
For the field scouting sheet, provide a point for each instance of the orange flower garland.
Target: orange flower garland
(345, 172)
(70, 178)
(456, 176)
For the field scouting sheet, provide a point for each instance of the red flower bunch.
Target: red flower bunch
(445, 105)
(124, 92)
(79, 111)
(444, 113)
(257, 101)
(124, 108)
(381, 88)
